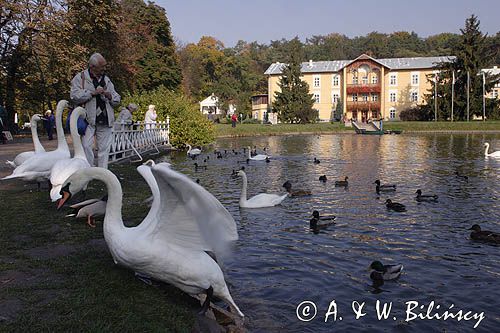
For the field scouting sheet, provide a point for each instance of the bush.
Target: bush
(250, 121)
(187, 124)
(417, 113)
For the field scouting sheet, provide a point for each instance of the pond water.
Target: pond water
(278, 263)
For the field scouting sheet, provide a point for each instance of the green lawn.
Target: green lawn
(414, 126)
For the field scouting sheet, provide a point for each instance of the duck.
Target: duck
(260, 200)
(323, 178)
(90, 209)
(258, 157)
(427, 197)
(295, 193)
(193, 151)
(484, 235)
(64, 168)
(380, 273)
(199, 167)
(495, 154)
(38, 166)
(174, 241)
(317, 216)
(384, 188)
(395, 206)
(22, 157)
(316, 161)
(342, 183)
(460, 176)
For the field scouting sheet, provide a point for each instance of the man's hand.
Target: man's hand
(108, 95)
(98, 91)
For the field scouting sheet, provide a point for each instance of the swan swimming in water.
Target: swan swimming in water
(495, 154)
(171, 244)
(193, 151)
(22, 157)
(258, 157)
(260, 200)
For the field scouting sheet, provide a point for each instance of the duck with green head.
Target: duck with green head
(380, 273)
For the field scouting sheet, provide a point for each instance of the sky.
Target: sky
(266, 20)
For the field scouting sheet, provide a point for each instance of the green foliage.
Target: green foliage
(417, 113)
(187, 124)
(293, 101)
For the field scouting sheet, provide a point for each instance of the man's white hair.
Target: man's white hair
(95, 59)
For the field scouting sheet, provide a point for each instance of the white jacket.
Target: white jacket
(81, 94)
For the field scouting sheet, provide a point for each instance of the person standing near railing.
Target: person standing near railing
(150, 117)
(93, 90)
(125, 116)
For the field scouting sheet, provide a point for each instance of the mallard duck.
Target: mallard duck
(427, 197)
(314, 222)
(316, 215)
(395, 206)
(316, 161)
(295, 193)
(381, 273)
(384, 188)
(484, 235)
(90, 209)
(199, 167)
(342, 183)
(323, 178)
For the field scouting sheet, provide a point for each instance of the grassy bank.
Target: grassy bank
(56, 273)
(258, 129)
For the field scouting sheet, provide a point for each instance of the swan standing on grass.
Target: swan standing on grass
(171, 243)
(193, 152)
(495, 154)
(39, 165)
(260, 200)
(22, 157)
(66, 167)
(258, 157)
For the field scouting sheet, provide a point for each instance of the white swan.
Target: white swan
(260, 200)
(170, 244)
(22, 157)
(66, 167)
(258, 157)
(39, 165)
(494, 154)
(193, 152)
(90, 209)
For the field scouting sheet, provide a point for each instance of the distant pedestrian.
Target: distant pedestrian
(49, 123)
(150, 117)
(125, 115)
(234, 119)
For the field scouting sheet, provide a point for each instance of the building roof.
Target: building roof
(491, 71)
(337, 65)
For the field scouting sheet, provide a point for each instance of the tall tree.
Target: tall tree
(293, 101)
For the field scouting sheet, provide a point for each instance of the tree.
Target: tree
(293, 102)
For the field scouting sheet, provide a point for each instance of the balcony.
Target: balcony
(363, 105)
(363, 88)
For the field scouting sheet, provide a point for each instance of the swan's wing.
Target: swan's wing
(83, 203)
(189, 216)
(147, 174)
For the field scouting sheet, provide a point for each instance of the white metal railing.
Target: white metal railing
(132, 140)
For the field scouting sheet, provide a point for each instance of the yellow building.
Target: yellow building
(368, 88)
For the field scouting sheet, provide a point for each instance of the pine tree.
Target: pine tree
(293, 102)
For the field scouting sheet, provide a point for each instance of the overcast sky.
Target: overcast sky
(266, 20)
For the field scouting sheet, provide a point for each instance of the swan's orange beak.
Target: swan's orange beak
(65, 198)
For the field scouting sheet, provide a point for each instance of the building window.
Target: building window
(316, 97)
(392, 97)
(414, 79)
(365, 97)
(374, 79)
(335, 98)
(374, 97)
(414, 96)
(392, 113)
(365, 79)
(354, 80)
(495, 93)
(336, 80)
(316, 80)
(354, 97)
(393, 80)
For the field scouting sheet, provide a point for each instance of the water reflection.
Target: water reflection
(279, 262)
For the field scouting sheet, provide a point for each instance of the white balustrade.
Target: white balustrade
(133, 140)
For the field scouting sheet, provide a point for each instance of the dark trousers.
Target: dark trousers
(233, 123)
(49, 132)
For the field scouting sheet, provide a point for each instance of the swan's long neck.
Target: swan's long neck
(189, 150)
(113, 223)
(61, 140)
(248, 152)
(487, 148)
(243, 196)
(77, 141)
(34, 134)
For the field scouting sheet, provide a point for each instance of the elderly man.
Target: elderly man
(93, 90)
(125, 115)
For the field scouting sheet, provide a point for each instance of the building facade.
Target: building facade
(367, 88)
